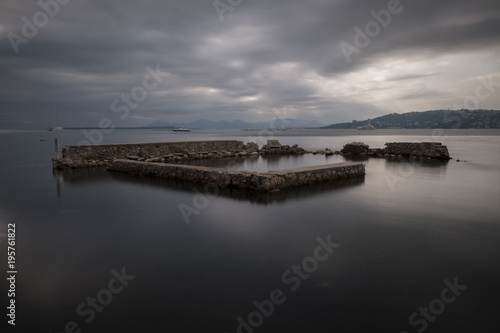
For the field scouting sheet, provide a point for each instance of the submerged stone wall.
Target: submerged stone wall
(261, 182)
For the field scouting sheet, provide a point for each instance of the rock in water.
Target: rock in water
(355, 148)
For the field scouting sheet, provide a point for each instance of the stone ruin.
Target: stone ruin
(177, 152)
(432, 150)
(355, 148)
(166, 152)
(275, 147)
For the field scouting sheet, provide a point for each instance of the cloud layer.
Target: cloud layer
(262, 57)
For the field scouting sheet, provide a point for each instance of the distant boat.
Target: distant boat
(181, 130)
(55, 128)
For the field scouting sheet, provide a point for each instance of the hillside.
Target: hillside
(431, 119)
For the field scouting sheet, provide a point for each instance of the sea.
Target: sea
(413, 246)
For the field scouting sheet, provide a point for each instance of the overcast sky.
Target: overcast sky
(135, 62)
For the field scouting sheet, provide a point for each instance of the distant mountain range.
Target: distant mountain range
(278, 123)
(446, 119)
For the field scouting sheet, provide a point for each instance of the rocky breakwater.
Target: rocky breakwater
(275, 147)
(254, 181)
(102, 155)
(430, 150)
(165, 152)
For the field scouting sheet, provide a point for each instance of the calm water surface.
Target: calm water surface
(399, 233)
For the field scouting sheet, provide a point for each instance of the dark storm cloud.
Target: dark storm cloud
(264, 55)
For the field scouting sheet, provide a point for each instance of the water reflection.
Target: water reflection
(249, 163)
(408, 165)
(81, 176)
(356, 158)
(264, 163)
(58, 176)
(72, 177)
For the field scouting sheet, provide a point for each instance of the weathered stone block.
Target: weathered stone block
(274, 144)
(355, 148)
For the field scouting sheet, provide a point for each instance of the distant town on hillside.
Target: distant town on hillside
(447, 119)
